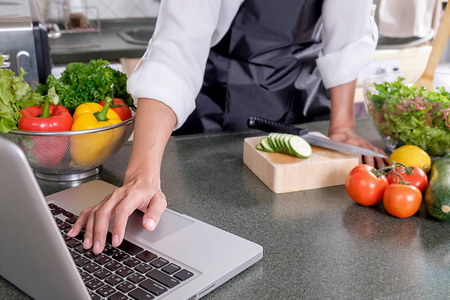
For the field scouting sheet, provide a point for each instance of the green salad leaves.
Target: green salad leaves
(15, 94)
(80, 83)
(409, 115)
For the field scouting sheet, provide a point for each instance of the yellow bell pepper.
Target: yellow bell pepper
(90, 150)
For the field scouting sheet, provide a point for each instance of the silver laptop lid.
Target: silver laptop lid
(33, 254)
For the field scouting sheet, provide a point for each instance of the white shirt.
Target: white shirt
(172, 69)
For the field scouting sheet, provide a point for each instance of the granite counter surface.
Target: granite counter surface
(318, 244)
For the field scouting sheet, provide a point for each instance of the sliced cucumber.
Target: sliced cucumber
(286, 140)
(259, 147)
(276, 138)
(285, 143)
(272, 141)
(300, 147)
(266, 145)
(275, 141)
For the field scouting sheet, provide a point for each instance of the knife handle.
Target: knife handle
(272, 126)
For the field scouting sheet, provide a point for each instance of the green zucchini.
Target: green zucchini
(259, 147)
(299, 147)
(266, 145)
(285, 143)
(437, 194)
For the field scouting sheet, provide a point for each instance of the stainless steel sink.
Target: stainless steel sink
(139, 35)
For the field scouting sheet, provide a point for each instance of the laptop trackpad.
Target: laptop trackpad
(169, 223)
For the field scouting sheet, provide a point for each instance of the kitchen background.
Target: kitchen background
(107, 9)
(118, 31)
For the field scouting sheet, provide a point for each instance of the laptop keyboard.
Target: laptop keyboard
(125, 272)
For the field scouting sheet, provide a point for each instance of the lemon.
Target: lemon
(411, 155)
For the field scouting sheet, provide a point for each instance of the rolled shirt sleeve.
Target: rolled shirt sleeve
(172, 69)
(350, 36)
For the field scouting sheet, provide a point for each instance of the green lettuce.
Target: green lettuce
(412, 115)
(15, 94)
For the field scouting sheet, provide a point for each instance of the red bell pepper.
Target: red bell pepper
(47, 117)
(45, 150)
(120, 107)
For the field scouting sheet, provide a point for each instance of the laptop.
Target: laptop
(183, 258)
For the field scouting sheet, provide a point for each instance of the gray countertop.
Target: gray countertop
(110, 47)
(318, 244)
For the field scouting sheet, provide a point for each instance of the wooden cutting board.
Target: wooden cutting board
(284, 173)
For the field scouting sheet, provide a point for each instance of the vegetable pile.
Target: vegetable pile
(402, 188)
(411, 115)
(79, 100)
(403, 185)
(81, 83)
(369, 186)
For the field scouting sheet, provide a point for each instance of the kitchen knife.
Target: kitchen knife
(272, 126)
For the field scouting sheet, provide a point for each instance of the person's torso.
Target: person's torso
(264, 66)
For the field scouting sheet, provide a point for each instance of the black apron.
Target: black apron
(264, 66)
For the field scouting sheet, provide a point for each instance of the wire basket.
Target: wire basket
(71, 155)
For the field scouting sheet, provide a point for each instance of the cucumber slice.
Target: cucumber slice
(280, 141)
(266, 145)
(287, 137)
(300, 147)
(259, 147)
(274, 139)
(286, 140)
(272, 142)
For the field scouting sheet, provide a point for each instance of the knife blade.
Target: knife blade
(272, 126)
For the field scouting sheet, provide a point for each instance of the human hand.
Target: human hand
(120, 204)
(348, 136)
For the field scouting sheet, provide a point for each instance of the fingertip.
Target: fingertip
(70, 233)
(97, 247)
(77, 227)
(116, 240)
(87, 243)
(74, 231)
(149, 224)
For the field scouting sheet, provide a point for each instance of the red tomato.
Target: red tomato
(402, 200)
(417, 177)
(120, 107)
(364, 187)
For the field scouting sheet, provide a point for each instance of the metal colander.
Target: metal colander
(71, 155)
